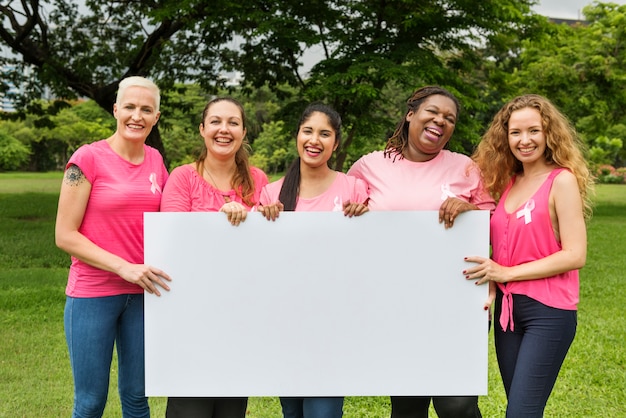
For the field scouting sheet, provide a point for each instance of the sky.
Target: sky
(566, 9)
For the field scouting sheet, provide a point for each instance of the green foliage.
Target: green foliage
(51, 132)
(372, 55)
(13, 153)
(274, 149)
(582, 69)
(607, 174)
(368, 49)
(604, 150)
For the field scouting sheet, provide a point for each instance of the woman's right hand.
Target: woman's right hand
(272, 211)
(145, 276)
(236, 212)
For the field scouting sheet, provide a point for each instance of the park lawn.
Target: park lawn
(34, 369)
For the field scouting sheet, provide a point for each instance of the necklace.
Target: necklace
(210, 176)
(226, 197)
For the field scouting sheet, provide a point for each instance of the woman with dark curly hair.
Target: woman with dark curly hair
(415, 172)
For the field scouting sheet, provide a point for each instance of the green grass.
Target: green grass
(35, 377)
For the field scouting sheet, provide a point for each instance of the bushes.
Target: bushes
(608, 174)
(13, 154)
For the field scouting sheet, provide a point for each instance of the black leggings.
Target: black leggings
(445, 406)
(206, 407)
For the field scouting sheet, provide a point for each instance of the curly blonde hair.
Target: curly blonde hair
(563, 148)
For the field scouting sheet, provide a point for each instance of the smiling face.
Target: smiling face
(527, 140)
(430, 127)
(316, 140)
(223, 129)
(136, 113)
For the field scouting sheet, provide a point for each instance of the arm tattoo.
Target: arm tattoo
(74, 176)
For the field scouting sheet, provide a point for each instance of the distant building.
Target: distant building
(8, 98)
(6, 101)
(569, 22)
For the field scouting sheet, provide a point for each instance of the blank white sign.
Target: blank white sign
(316, 304)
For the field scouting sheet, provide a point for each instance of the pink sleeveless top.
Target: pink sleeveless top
(526, 235)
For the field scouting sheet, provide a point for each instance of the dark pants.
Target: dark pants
(312, 407)
(531, 356)
(445, 406)
(206, 407)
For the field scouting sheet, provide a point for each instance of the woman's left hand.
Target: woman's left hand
(451, 208)
(271, 211)
(235, 212)
(354, 209)
(486, 270)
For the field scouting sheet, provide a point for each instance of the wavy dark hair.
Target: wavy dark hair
(398, 141)
(291, 184)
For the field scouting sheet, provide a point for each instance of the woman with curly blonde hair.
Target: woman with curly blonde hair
(532, 162)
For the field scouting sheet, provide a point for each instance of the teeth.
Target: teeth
(434, 132)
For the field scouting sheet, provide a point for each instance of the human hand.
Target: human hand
(354, 209)
(451, 208)
(236, 212)
(145, 276)
(486, 270)
(272, 211)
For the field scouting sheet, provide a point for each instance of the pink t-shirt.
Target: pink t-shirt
(187, 191)
(343, 189)
(120, 194)
(408, 185)
(526, 235)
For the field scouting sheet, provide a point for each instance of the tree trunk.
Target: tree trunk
(154, 140)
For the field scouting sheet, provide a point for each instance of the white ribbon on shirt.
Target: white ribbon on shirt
(155, 186)
(446, 192)
(338, 204)
(526, 211)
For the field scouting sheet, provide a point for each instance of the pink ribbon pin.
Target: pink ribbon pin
(446, 192)
(155, 186)
(526, 211)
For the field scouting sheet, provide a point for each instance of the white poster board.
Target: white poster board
(316, 304)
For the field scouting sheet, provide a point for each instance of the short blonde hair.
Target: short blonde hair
(137, 81)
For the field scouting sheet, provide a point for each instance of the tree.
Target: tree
(373, 51)
(13, 153)
(86, 52)
(274, 148)
(368, 45)
(582, 69)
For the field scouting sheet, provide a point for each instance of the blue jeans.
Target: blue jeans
(531, 356)
(92, 327)
(312, 407)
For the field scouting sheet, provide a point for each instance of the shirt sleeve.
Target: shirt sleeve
(177, 192)
(357, 169)
(360, 191)
(83, 158)
(480, 196)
